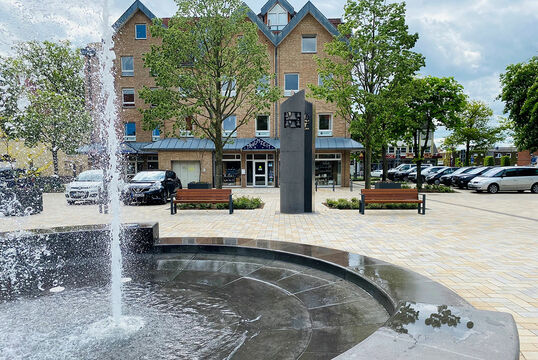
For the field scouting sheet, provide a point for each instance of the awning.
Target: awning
(337, 143)
(126, 148)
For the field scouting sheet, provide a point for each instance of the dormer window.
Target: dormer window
(277, 18)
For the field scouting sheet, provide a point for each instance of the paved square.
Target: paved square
(484, 247)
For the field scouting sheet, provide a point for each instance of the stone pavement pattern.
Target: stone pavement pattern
(484, 247)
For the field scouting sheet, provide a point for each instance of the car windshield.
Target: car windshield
(149, 176)
(493, 172)
(434, 169)
(462, 170)
(90, 176)
(476, 171)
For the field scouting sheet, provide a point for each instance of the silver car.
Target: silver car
(85, 187)
(509, 178)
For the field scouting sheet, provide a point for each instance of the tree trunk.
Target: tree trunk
(467, 155)
(385, 162)
(218, 164)
(55, 161)
(367, 164)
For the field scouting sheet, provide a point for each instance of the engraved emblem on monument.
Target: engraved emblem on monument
(306, 121)
(292, 119)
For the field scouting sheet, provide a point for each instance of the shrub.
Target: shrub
(489, 161)
(505, 161)
(345, 204)
(437, 188)
(243, 202)
(406, 186)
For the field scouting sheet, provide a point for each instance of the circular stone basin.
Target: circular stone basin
(191, 306)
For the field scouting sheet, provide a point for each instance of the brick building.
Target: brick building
(292, 39)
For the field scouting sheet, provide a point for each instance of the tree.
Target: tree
(520, 94)
(474, 130)
(210, 66)
(367, 61)
(434, 102)
(10, 98)
(54, 86)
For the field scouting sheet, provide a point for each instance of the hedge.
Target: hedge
(240, 203)
(354, 204)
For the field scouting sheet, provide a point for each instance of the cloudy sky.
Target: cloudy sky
(471, 40)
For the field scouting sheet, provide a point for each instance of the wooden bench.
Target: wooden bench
(392, 196)
(201, 196)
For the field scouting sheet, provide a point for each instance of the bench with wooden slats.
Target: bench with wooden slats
(392, 196)
(202, 196)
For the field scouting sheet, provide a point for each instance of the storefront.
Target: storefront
(231, 169)
(261, 170)
(329, 169)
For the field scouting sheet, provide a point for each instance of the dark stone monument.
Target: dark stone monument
(296, 155)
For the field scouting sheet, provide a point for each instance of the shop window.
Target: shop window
(291, 84)
(141, 31)
(153, 162)
(309, 44)
(231, 168)
(127, 66)
(228, 126)
(129, 132)
(328, 169)
(325, 125)
(128, 98)
(262, 126)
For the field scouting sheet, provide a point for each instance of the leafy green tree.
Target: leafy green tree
(54, 88)
(434, 102)
(210, 66)
(367, 61)
(10, 98)
(489, 161)
(520, 95)
(474, 130)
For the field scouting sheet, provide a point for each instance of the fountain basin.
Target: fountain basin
(235, 298)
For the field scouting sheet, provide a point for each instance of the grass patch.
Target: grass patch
(240, 203)
(354, 204)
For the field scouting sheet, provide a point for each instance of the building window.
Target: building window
(277, 18)
(127, 66)
(262, 126)
(231, 169)
(156, 135)
(128, 98)
(263, 84)
(188, 128)
(228, 126)
(391, 150)
(322, 79)
(228, 88)
(141, 31)
(325, 125)
(403, 150)
(153, 162)
(328, 169)
(130, 132)
(309, 44)
(291, 84)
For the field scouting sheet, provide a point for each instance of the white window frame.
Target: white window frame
(127, 104)
(228, 132)
(263, 133)
(312, 36)
(290, 92)
(277, 10)
(325, 132)
(127, 72)
(136, 32)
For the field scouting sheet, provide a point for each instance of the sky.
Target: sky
(470, 40)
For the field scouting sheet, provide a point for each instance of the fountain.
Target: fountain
(220, 298)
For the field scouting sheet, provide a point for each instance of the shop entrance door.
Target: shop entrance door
(260, 173)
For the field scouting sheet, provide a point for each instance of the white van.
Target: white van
(509, 178)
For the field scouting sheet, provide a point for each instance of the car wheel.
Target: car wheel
(493, 189)
(437, 182)
(164, 198)
(534, 188)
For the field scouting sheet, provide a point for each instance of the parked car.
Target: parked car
(85, 188)
(462, 180)
(19, 194)
(391, 172)
(510, 178)
(404, 174)
(151, 186)
(435, 178)
(377, 173)
(426, 170)
(447, 179)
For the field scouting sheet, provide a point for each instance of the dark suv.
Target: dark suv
(151, 186)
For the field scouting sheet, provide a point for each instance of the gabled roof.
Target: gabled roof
(128, 14)
(308, 8)
(269, 5)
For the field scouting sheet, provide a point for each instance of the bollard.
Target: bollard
(316, 185)
(350, 184)
(333, 184)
